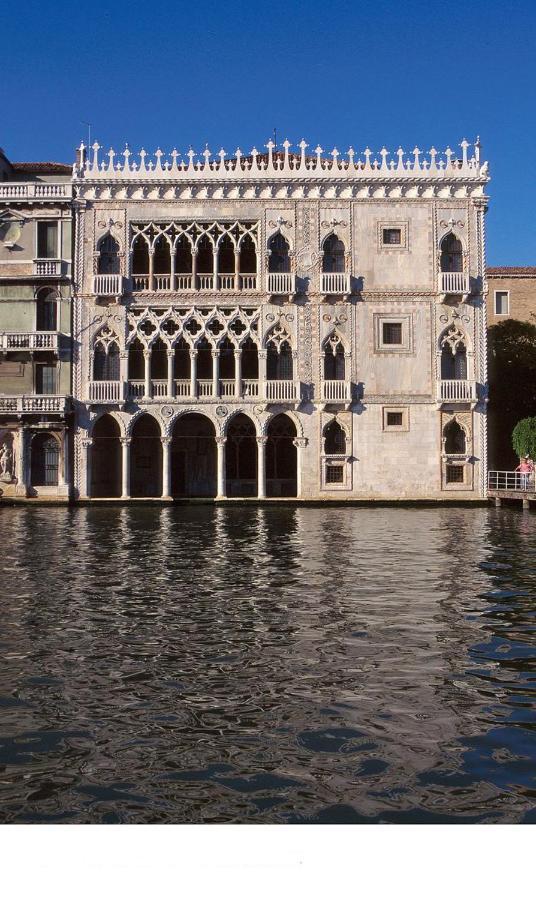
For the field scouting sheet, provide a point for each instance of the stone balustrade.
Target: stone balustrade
(29, 340)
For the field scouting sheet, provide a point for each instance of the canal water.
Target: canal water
(267, 665)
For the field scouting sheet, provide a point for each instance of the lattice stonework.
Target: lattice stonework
(194, 325)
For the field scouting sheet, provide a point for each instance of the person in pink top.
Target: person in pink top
(525, 469)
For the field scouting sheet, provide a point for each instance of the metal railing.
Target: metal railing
(456, 390)
(453, 283)
(336, 391)
(29, 340)
(334, 283)
(511, 481)
(286, 391)
(106, 391)
(281, 282)
(35, 403)
(108, 285)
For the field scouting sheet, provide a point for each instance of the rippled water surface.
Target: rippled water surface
(267, 665)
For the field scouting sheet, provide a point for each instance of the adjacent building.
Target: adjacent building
(35, 329)
(279, 324)
(511, 293)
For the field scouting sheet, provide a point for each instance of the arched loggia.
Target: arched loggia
(193, 457)
(281, 458)
(241, 458)
(106, 458)
(146, 458)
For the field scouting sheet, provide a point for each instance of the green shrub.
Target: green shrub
(524, 437)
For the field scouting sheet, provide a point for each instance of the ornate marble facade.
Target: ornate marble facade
(280, 325)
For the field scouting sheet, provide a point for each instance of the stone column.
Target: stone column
(21, 462)
(215, 373)
(172, 280)
(220, 444)
(170, 385)
(261, 467)
(123, 373)
(262, 354)
(193, 373)
(237, 270)
(62, 469)
(166, 471)
(151, 270)
(86, 463)
(300, 443)
(238, 373)
(215, 269)
(194, 270)
(125, 467)
(147, 389)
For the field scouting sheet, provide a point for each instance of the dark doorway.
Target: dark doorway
(281, 458)
(106, 459)
(45, 460)
(241, 458)
(193, 457)
(146, 459)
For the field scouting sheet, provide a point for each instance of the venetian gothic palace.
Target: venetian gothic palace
(286, 323)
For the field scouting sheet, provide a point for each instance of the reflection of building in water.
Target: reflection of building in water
(280, 325)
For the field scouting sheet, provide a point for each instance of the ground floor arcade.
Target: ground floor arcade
(34, 459)
(192, 460)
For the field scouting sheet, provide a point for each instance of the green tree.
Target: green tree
(512, 378)
(524, 437)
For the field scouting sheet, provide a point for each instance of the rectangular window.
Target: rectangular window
(395, 419)
(47, 240)
(502, 303)
(454, 474)
(334, 474)
(392, 236)
(392, 333)
(45, 379)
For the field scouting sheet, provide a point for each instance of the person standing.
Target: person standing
(525, 469)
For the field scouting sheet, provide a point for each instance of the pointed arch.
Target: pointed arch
(451, 252)
(333, 253)
(279, 249)
(335, 438)
(455, 437)
(108, 248)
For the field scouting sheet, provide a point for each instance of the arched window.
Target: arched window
(162, 256)
(248, 256)
(108, 262)
(106, 363)
(227, 359)
(205, 256)
(279, 259)
(140, 256)
(204, 359)
(250, 360)
(333, 258)
(183, 254)
(181, 363)
(47, 310)
(334, 438)
(454, 438)
(451, 254)
(45, 460)
(334, 363)
(136, 361)
(453, 355)
(159, 366)
(279, 361)
(226, 256)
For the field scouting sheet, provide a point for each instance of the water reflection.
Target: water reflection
(267, 665)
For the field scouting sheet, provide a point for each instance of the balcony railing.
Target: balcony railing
(108, 285)
(336, 391)
(47, 267)
(35, 403)
(184, 282)
(35, 190)
(188, 282)
(140, 282)
(247, 282)
(282, 391)
(136, 390)
(204, 388)
(453, 283)
(281, 283)
(511, 481)
(456, 390)
(226, 282)
(250, 387)
(159, 388)
(162, 282)
(205, 282)
(106, 391)
(29, 340)
(334, 283)
(182, 387)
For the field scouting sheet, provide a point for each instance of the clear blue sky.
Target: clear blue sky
(363, 73)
